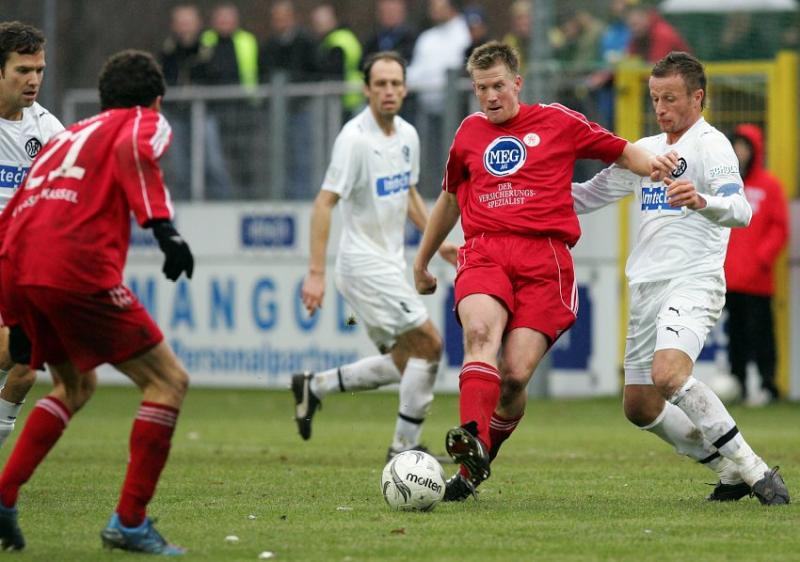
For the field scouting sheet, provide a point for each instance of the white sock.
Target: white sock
(709, 414)
(8, 417)
(674, 426)
(416, 395)
(365, 374)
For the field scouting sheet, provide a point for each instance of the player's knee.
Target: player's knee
(477, 335)
(177, 383)
(434, 347)
(513, 385)
(666, 379)
(637, 412)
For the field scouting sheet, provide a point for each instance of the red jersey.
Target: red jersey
(68, 226)
(515, 178)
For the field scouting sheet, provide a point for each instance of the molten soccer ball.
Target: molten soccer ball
(413, 481)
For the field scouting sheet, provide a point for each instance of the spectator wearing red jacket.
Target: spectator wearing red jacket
(652, 37)
(750, 264)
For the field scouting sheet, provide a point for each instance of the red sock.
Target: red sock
(480, 389)
(500, 429)
(151, 438)
(44, 426)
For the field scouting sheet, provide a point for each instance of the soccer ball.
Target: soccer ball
(726, 387)
(413, 481)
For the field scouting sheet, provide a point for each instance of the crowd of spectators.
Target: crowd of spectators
(318, 45)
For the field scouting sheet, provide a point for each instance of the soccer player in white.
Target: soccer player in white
(677, 285)
(25, 126)
(374, 171)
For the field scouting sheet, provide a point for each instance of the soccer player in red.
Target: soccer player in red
(66, 236)
(508, 177)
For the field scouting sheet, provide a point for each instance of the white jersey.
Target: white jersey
(677, 242)
(372, 174)
(20, 142)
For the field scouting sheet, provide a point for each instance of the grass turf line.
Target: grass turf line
(575, 482)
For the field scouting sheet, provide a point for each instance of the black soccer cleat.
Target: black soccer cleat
(443, 459)
(771, 490)
(305, 403)
(728, 492)
(465, 448)
(457, 489)
(10, 534)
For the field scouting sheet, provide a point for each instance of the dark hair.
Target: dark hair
(130, 78)
(489, 54)
(18, 37)
(383, 55)
(685, 65)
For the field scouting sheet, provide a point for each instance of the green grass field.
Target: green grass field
(576, 482)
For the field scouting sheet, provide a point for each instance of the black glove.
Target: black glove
(176, 251)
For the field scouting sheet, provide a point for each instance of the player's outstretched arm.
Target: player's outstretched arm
(443, 218)
(314, 284)
(644, 163)
(418, 214)
(607, 186)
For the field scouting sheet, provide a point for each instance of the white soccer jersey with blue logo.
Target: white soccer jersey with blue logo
(372, 174)
(20, 142)
(677, 242)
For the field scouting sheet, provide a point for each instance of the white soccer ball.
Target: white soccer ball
(413, 481)
(726, 387)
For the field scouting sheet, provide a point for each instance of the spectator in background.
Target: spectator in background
(520, 24)
(438, 50)
(180, 53)
(232, 55)
(742, 39)
(613, 47)
(338, 54)
(478, 30)
(652, 37)
(578, 41)
(184, 65)
(394, 33)
(232, 52)
(291, 50)
(749, 267)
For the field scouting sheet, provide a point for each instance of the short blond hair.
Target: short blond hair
(491, 53)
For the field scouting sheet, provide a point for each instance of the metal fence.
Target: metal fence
(273, 142)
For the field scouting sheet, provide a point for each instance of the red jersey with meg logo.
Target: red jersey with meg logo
(515, 178)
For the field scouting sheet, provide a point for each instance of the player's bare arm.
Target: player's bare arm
(645, 163)
(314, 284)
(418, 214)
(443, 218)
(683, 193)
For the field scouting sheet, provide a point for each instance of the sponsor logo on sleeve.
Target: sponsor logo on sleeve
(504, 156)
(268, 231)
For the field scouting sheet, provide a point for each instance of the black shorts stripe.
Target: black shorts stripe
(409, 419)
(727, 437)
(341, 382)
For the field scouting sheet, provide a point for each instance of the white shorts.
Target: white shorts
(673, 314)
(386, 304)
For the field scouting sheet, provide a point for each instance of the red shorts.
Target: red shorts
(532, 277)
(109, 326)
